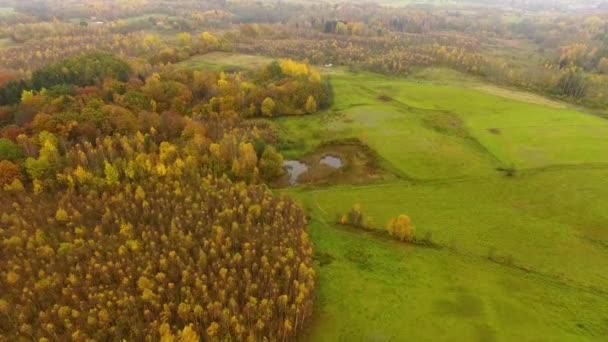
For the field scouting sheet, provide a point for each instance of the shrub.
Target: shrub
(401, 228)
(355, 217)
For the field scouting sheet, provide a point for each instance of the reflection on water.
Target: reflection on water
(294, 168)
(332, 161)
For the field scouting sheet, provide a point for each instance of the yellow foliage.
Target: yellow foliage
(151, 41)
(184, 38)
(15, 186)
(291, 67)
(38, 187)
(212, 329)
(311, 105)
(82, 175)
(4, 307)
(210, 41)
(188, 334)
(144, 283)
(161, 169)
(140, 194)
(126, 229)
(314, 77)
(61, 215)
(12, 277)
(112, 177)
(165, 333)
(215, 150)
(401, 228)
(268, 107)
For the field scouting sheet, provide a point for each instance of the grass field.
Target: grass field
(549, 220)
(222, 60)
(503, 128)
(521, 258)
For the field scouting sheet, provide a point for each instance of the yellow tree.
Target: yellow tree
(268, 107)
(184, 38)
(210, 42)
(112, 177)
(401, 228)
(311, 105)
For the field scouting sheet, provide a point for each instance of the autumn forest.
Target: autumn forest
(303, 170)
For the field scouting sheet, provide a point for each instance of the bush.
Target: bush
(355, 216)
(401, 228)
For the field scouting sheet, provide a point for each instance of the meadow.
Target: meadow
(520, 254)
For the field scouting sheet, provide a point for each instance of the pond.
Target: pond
(295, 168)
(332, 161)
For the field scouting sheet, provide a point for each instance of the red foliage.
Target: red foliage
(11, 133)
(8, 172)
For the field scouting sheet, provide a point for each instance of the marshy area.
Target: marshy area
(339, 162)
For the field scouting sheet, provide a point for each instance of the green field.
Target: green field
(521, 258)
(490, 130)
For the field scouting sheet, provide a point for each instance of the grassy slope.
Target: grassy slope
(384, 291)
(550, 219)
(550, 222)
(529, 135)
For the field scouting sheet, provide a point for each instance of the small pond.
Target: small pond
(295, 168)
(332, 161)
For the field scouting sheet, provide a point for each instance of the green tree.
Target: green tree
(9, 150)
(271, 164)
(48, 162)
(341, 28)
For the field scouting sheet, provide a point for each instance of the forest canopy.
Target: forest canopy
(183, 255)
(140, 194)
